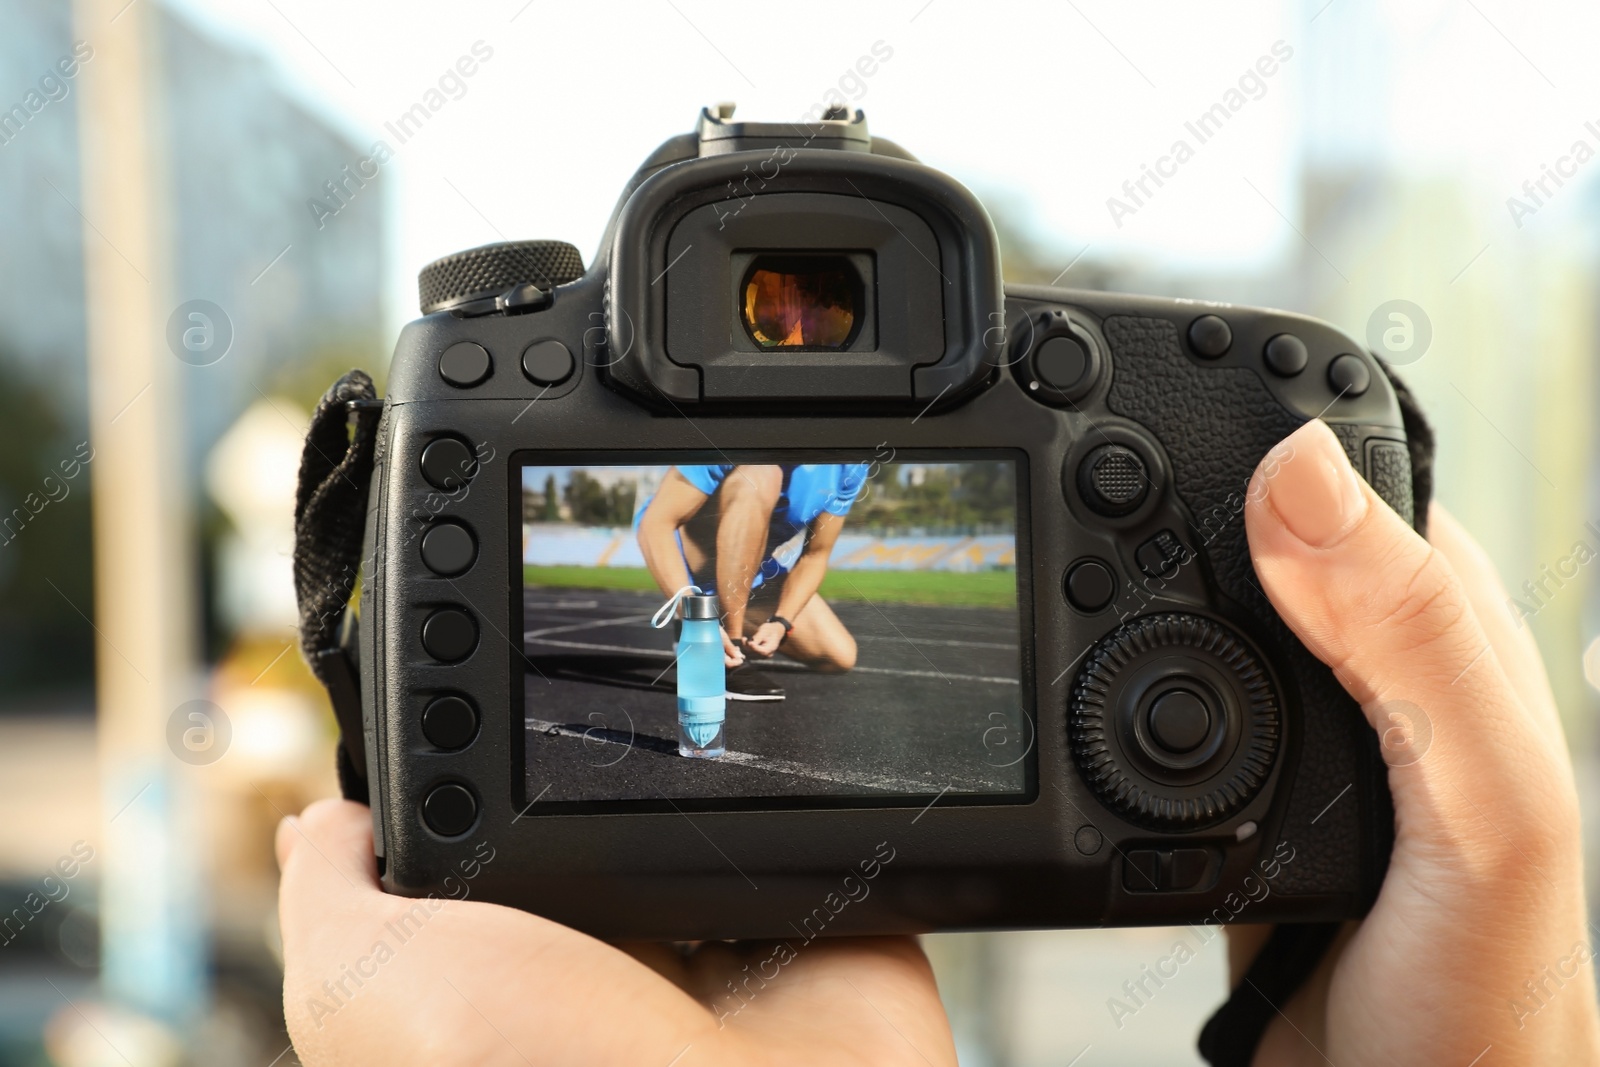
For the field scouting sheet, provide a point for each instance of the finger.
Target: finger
(1512, 640)
(1487, 861)
(1386, 611)
(339, 832)
(328, 867)
(285, 838)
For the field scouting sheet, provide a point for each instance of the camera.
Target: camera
(784, 574)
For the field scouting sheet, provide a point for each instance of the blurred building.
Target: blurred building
(1509, 379)
(291, 295)
(245, 157)
(297, 294)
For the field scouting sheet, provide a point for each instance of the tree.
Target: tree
(552, 503)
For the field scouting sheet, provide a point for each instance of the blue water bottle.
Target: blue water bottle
(702, 674)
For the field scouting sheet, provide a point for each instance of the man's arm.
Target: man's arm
(674, 504)
(805, 578)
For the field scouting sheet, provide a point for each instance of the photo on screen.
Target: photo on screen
(866, 642)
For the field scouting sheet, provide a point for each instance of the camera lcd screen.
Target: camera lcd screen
(866, 644)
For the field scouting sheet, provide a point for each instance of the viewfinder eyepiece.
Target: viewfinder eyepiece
(806, 301)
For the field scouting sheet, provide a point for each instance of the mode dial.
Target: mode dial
(490, 270)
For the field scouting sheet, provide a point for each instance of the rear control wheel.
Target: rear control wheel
(1174, 722)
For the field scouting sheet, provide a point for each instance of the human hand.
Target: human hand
(732, 654)
(482, 985)
(768, 636)
(1485, 887)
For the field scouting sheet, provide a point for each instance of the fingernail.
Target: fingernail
(1312, 487)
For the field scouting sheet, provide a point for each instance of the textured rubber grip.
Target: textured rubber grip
(1389, 472)
(1216, 423)
(489, 270)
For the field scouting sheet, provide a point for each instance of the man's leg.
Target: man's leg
(819, 639)
(744, 514)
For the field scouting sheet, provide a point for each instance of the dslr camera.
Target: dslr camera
(783, 573)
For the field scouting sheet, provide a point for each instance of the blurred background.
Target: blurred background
(211, 208)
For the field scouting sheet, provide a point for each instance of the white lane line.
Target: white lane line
(532, 638)
(1011, 647)
(555, 618)
(626, 619)
(778, 766)
(590, 625)
(592, 604)
(988, 679)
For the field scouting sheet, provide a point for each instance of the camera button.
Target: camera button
(547, 363)
(1349, 376)
(450, 810)
(1090, 586)
(450, 634)
(1210, 336)
(449, 722)
(465, 364)
(448, 549)
(1188, 868)
(1143, 870)
(1155, 870)
(1061, 363)
(1113, 480)
(448, 464)
(1162, 555)
(1285, 355)
(1179, 721)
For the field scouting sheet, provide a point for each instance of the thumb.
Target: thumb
(328, 868)
(1384, 609)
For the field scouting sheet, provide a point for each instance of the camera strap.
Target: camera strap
(1294, 951)
(330, 512)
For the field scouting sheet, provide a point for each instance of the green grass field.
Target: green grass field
(980, 589)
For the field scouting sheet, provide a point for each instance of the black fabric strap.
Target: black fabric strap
(1285, 962)
(330, 511)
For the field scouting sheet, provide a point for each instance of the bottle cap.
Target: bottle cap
(687, 603)
(700, 607)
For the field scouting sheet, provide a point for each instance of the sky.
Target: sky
(1044, 110)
